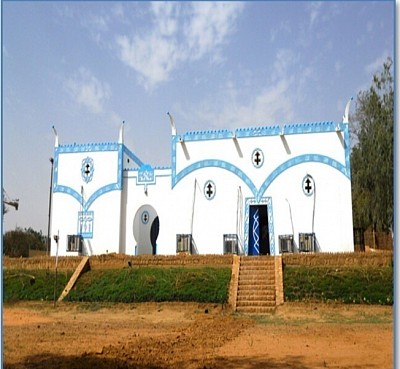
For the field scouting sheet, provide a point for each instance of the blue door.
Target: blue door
(254, 230)
(258, 230)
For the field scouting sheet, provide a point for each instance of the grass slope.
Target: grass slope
(153, 284)
(33, 284)
(357, 285)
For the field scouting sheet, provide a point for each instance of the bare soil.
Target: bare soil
(195, 336)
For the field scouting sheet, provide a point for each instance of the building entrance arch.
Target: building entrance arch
(146, 227)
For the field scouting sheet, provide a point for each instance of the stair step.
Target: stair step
(248, 294)
(256, 310)
(257, 282)
(256, 287)
(257, 276)
(261, 271)
(256, 303)
(256, 269)
(257, 261)
(255, 265)
(249, 300)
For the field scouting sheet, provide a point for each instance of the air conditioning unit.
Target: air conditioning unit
(74, 243)
(184, 243)
(285, 243)
(306, 242)
(230, 244)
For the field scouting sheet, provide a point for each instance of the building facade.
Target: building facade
(251, 191)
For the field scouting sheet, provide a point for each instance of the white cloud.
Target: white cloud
(285, 59)
(272, 105)
(246, 105)
(118, 11)
(209, 25)
(87, 90)
(152, 57)
(315, 8)
(283, 28)
(338, 66)
(180, 32)
(373, 67)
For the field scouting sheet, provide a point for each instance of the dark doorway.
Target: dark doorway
(155, 229)
(258, 230)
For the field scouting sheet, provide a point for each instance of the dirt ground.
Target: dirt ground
(195, 336)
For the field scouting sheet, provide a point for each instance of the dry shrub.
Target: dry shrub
(117, 261)
(383, 258)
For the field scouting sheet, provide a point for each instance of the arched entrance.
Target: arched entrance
(146, 226)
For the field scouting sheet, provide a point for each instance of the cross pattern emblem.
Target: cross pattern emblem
(87, 169)
(209, 190)
(145, 217)
(258, 158)
(308, 185)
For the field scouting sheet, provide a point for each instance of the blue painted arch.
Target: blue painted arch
(258, 193)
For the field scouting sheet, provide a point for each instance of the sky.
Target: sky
(85, 67)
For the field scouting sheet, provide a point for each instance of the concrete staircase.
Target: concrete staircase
(259, 284)
(81, 268)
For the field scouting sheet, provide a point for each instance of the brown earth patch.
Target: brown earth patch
(195, 336)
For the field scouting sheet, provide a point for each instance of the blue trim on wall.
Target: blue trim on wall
(345, 129)
(287, 129)
(78, 197)
(134, 173)
(120, 183)
(174, 140)
(55, 168)
(301, 159)
(146, 175)
(132, 156)
(257, 131)
(117, 186)
(316, 127)
(215, 163)
(207, 135)
(91, 147)
(85, 224)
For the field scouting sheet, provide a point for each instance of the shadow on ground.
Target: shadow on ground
(95, 361)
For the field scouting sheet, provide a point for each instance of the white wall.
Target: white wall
(178, 196)
(101, 195)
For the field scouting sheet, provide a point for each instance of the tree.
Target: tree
(372, 153)
(18, 242)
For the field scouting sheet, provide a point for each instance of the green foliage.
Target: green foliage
(153, 284)
(17, 243)
(372, 154)
(359, 285)
(33, 284)
(356, 285)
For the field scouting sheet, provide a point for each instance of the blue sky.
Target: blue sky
(85, 67)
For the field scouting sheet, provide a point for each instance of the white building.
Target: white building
(262, 190)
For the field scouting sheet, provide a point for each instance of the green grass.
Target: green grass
(153, 284)
(360, 317)
(33, 284)
(355, 285)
